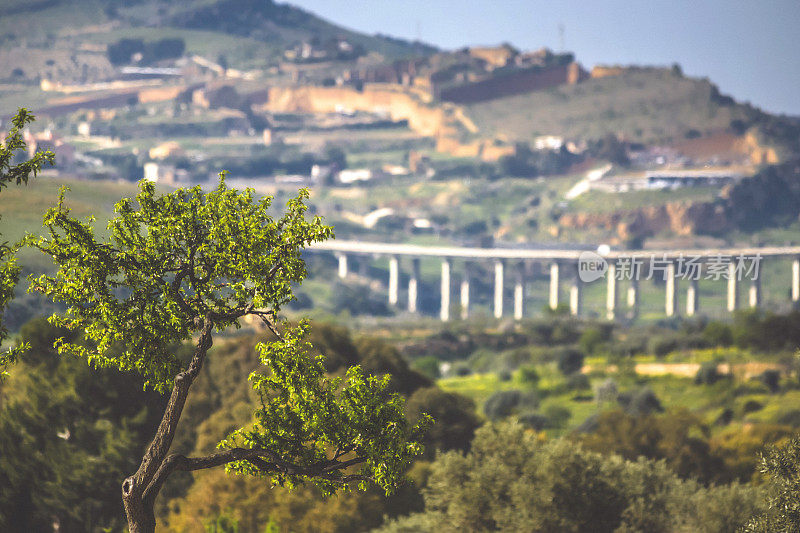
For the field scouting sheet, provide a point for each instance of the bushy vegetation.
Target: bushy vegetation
(511, 480)
(122, 51)
(69, 434)
(643, 461)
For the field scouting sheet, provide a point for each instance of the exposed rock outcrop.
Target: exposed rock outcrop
(680, 218)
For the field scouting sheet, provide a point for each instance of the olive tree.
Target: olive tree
(184, 266)
(17, 173)
(782, 465)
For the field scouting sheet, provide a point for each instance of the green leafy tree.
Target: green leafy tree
(185, 266)
(17, 173)
(68, 433)
(513, 480)
(782, 464)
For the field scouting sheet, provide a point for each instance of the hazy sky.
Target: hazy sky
(750, 49)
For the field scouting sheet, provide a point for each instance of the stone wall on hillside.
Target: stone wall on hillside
(441, 122)
(424, 119)
(518, 82)
(604, 71)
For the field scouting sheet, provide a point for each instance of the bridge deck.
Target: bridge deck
(371, 248)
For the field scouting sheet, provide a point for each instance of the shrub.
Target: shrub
(565, 331)
(358, 299)
(461, 369)
(592, 338)
(772, 380)
(528, 401)
(529, 375)
(661, 345)
(504, 403)
(751, 406)
(577, 382)
(628, 347)
(790, 418)
(501, 404)
(427, 366)
(557, 415)
(570, 361)
(606, 391)
(718, 334)
(454, 416)
(535, 421)
(725, 417)
(640, 403)
(707, 374)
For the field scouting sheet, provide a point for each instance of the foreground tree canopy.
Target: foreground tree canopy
(17, 173)
(184, 266)
(514, 480)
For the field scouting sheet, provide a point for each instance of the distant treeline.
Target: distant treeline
(123, 51)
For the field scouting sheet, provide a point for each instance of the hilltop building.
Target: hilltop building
(475, 74)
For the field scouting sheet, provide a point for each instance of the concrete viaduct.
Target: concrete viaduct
(562, 263)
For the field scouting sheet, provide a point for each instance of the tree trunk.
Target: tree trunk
(138, 491)
(141, 517)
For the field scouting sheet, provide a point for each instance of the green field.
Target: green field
(23, 208)
(674, 392)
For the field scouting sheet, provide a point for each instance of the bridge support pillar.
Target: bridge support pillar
(796, 279)
(733, 287)
(576, 295)
(755, 292)
(465, 293)
(342, 265)
(394, 278)
(413, 283)
(633, 296)
(671, 299)
(519, 292)
(611, 291)
(444, 312)
(692, 302)
(498, 289)
(554, 266)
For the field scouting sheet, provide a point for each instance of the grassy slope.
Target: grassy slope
(646, 105)
(239, 51)
(674, 391)
(37, 20)
(23, 207)
(42, 20)
(605, 202)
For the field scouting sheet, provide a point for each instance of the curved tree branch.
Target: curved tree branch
(264, 460)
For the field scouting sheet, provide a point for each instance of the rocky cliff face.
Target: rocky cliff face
(679, 218)
(441, 122)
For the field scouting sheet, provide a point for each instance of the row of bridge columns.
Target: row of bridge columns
(575, 289)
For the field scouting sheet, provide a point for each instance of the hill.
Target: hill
(248, 33)
(644, 105)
